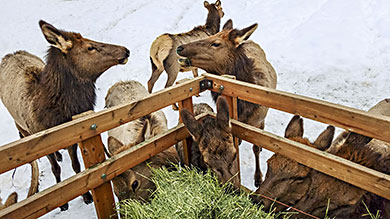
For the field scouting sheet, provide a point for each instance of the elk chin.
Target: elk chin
(185, 62)
(123, 61)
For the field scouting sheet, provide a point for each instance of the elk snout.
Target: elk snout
(126, 56)
(179, 50)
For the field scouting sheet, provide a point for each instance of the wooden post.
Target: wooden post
(187, 143)
(92, 150)
(232, 101)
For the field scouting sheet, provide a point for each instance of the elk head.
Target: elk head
(215, 142)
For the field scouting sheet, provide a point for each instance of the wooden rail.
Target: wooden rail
(35, 146)
(355, 120)
(48, 141)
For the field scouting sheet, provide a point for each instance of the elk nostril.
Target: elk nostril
(127, 52)
(179, 49)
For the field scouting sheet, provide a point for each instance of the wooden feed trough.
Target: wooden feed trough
(86, 131)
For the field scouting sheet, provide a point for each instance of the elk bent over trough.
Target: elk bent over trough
(315, 192)
(163, 50)
(135, 183)
(40, 96)
(228, 52)
(215, 141)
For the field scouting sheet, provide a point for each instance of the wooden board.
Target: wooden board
(48, 141)
(345, 170)
(359, 121)
(57, 195)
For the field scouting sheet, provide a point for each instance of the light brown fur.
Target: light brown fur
(163, 50)
(228, 52)
(135, 183)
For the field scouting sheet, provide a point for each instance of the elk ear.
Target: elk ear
(239, 36)
(12, 199)
(324, 140)
(114, 145)
(228, 25)
(218, 3)
(206, 3)
(55, 37)
(191, 124)
(223, 117)
(294, 128)
(357, 139)
(144, 133)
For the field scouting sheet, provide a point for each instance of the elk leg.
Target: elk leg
(156, 72)
(172, 71)
(72, 150)
(56, 169)
(258, 176)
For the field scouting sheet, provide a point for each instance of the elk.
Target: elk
(215, 142)
(163, 50)
(228, 52)
(135, 183)
(40, 96)
(314, 192)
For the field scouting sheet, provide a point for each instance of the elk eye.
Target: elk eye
(90, 48)
(215, 44)
(134, 185)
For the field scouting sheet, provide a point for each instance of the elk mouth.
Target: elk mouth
(123, 61)
(184, 62)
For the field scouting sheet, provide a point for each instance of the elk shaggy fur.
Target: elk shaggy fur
(163, 50)
(135, 183)
(39, 96)
(229, 52)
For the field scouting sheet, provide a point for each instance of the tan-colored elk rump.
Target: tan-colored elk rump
(135, 183)
(163, 50)
(215, 142)
(317, 193)
(229, 52)
(40, 96)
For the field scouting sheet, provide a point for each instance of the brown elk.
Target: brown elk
(135, 183)
(215, 142)
(40, 96)
(163, 50)
(316, 193)
(228, 52)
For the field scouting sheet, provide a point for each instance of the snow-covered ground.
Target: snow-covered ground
(338, 51)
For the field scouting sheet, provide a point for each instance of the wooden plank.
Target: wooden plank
(359, 121)
(187, 143)
(345, 170)
(92, 151)
(232, 101)
(48, 141)
(57, 195)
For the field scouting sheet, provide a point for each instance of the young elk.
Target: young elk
(135, 183)
(316, 193)
(40, 96)
(163, 50)
(228, 52)
(215, 142)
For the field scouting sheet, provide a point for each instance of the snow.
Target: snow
(338, 51)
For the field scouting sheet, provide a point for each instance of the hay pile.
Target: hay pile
(190, 194)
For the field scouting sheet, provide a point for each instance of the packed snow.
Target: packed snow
(337, 51)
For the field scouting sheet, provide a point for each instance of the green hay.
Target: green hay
(190, 194)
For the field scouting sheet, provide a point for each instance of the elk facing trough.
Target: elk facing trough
(163, 50)
(228, 52)
(316, 193)
(135, 183)
(215, 142)
(40, 96)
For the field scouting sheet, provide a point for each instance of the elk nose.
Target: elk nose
(179, 49)
(127, 52)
